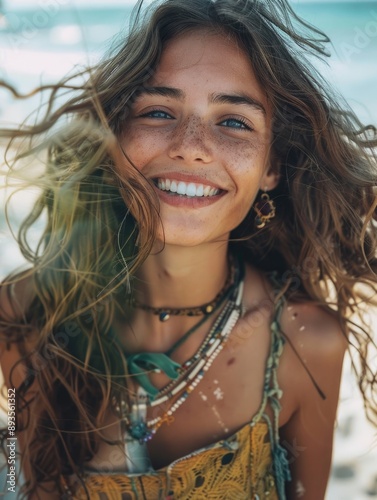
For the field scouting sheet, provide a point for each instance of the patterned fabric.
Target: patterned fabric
(238, 467)
(251, 464)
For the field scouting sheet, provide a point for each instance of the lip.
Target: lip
(187, 201)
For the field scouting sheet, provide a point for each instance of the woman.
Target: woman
(181, 331)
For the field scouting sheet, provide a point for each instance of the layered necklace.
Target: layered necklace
(184, 377)
(165, 313)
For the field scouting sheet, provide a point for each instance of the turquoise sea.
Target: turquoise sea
(47, 38)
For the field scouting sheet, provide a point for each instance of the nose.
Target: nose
(190, 142)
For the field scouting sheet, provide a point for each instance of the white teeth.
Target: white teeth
(200, 190)
(213, 192)
(181, 188)
(207, 190)
(192, 190)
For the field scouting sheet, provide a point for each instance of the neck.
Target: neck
(182, 277)
(176, 278)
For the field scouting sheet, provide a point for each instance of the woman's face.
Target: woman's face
(200, 130)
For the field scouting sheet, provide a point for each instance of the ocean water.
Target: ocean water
(352, 29)
(43, 42)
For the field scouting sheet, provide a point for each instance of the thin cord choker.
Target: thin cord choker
(165, 313)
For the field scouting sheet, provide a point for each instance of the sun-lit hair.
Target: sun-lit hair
(101, 225)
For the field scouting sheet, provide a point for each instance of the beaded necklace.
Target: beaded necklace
(165, 313)
(142, 430)
(141, 364)
(172, 388)
(187, 386)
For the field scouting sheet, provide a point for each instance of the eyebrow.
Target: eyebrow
(239, 99)
(161, 91)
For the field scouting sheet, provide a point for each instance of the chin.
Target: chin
(188, 239)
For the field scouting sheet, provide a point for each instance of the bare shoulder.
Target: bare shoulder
(315, 332)
(314, 351)
(310, 373)
(15, 298)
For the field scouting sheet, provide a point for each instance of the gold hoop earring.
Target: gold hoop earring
(265, 209)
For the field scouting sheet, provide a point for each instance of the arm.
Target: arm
(14, 373)
(308, 435)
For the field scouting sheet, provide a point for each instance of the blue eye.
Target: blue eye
(236, 123)
(157, 113)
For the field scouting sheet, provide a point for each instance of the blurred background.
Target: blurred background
(42, 40)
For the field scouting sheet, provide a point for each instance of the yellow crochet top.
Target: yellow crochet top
(249, 465)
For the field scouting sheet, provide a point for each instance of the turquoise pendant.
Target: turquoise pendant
(140, 364)
(140, 432)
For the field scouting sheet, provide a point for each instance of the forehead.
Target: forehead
(206, 60)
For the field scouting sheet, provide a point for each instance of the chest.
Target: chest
(230, 394)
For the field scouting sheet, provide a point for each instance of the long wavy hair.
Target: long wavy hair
(100, 225)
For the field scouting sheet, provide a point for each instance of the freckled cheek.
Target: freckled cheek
(141, 147)
(245, 164)
(242, 158)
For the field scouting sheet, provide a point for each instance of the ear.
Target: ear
(271, 177)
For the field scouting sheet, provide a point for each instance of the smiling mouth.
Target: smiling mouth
(188, 189)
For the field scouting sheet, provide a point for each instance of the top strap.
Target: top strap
(271, 387)
(272, 395)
